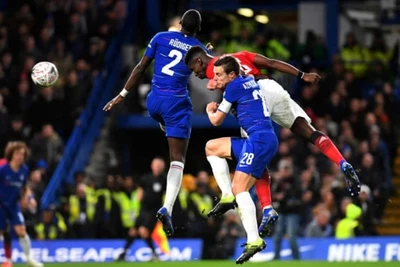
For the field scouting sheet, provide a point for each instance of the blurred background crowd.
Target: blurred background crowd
(356, 104)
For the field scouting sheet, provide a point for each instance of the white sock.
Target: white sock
(25, 243)
(174, 181)
(220, 170)
(247, 211)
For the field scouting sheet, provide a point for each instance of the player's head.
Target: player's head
(197, 60)
(191, 21)
(226, 69)
(16, 152)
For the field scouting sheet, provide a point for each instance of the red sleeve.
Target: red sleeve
(248, 55)
(210, 69)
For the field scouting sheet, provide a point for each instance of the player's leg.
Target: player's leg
(4, 233)
(18, 222)
(242, 182)
(304, 129)
(217, 151)
(251, 164)
(7, 248)
(288, 114)
(177, 116)
(269, 215)
(130, 238)
(263, 189)
(177, 148)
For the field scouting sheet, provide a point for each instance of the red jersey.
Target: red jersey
(245, 59)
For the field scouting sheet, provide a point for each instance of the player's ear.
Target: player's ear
(198, 60)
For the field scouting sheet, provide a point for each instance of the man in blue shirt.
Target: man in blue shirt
(242, 95)
(13, 178)
(168, 101)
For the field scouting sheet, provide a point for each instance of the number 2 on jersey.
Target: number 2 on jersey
(258, 95)
(177, 56)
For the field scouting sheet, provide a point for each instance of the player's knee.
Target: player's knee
(302, 128)
(212, 148)
(144, 233)
(238, 188)
(20, 231)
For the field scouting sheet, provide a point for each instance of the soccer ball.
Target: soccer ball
(44, 74)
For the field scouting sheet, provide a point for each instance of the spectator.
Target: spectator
(81, 210)
(287, 201)
(200, 202)
(48, 146)
(349, 226)
(46, 109)
(320, 226)
(17, 131)
(52, 226)
(231, 230)
(368, 220)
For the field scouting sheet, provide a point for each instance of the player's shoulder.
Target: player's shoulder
(160, 35)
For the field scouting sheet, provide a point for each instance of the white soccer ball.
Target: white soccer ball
(44, 74)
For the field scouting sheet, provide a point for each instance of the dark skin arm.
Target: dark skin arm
(134, 78)
(262, 62)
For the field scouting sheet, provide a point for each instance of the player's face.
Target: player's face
(199, 68)
(221, 77)
(19, 156)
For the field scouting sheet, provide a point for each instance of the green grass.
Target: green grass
(227, 264)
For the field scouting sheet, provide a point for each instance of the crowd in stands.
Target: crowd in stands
(74, 35)
(355, 103)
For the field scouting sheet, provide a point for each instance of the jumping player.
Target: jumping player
(169, 102)
(13, 178)
(243, 95)
(284, 111)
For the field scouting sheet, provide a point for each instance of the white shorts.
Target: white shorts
(283, 109)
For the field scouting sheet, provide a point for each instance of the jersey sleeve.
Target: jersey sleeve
(230, 97)
(152, 47)
(248, 55)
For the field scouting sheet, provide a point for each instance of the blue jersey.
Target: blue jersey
(11, 184)
(243, 95)
(171, 74)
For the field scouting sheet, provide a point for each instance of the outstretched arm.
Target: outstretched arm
(262, 62)
(136, 74)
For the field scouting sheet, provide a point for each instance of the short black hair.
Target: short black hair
(229, 64)
(191, 21)
(193, 52)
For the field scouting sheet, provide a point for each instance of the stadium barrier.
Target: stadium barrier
(331, 249)
(104, 251)
(322, 249)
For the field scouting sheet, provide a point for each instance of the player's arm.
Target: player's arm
(133, 80)
(136, 74)
(262, 62)
(217, 113)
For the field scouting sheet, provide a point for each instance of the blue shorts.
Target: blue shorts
(10, 215)
(254, 155)
(174, 112)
